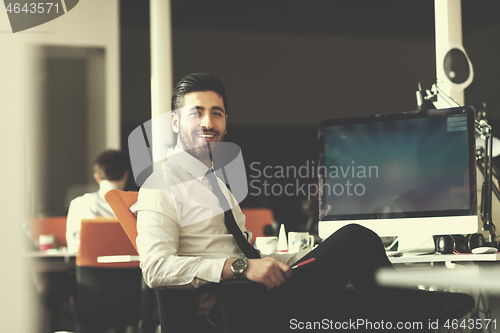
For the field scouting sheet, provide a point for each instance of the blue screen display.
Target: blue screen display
(408, 164)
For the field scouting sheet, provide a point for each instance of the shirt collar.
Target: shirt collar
(105, 186)
(188, 162)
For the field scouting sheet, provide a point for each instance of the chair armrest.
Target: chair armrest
(232, 285)
(229, 295)
(117, 258)
(177, 307)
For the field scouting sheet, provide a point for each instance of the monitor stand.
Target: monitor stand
(419, 243)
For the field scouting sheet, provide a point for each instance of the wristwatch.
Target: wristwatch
(238, 267)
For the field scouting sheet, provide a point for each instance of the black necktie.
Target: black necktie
(249, 251)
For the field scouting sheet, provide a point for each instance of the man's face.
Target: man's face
(200, 122)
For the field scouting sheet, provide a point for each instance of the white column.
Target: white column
(161, 76)
(101, 134)
(110, 17)
(17, 310)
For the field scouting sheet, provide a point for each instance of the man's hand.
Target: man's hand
(268, 271)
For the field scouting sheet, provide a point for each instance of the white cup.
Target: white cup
(47, 242)
(266, 245)
(300, 242)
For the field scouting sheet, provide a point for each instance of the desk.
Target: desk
(433, 258)
(40, 262)
(51, 271)
(485, 278)
(480, 279)
(53, 276)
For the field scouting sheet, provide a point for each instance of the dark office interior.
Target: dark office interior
(286, 65)
(289, 64)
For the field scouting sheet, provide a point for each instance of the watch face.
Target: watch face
(239, 265)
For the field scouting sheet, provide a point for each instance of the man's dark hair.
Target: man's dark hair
(197, 82)
(111, 165)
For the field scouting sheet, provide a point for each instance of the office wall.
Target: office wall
(287, 78)
(284, 78)
(302, 62)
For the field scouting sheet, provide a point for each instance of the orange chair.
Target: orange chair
(55, 225)
(257, 219)
(108, 294)
(120, 202)
(104, 237)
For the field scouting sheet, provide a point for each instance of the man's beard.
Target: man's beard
(198, 148)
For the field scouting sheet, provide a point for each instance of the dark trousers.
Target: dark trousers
(353, 253)
(315, 297)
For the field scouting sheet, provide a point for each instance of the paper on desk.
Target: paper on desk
(118, 258)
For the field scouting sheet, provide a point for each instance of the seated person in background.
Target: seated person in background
(111, 170)
(185, 240)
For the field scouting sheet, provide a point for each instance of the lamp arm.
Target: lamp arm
(484, 130)
(439, 92)
(429, 94)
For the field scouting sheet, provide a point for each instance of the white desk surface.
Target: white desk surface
(413, 258)
(485, 278)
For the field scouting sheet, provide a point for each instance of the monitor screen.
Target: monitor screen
(398, 167)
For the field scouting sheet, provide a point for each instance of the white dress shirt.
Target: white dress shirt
(87, 206)
(182, 239)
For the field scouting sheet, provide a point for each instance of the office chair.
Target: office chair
(120, 202)
(257, 219)
(108, 294)
(177, 308)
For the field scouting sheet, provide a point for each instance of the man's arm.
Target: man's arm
(157, 243)
(268, 271)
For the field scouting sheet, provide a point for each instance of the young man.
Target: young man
(111, 170)
(188, 235)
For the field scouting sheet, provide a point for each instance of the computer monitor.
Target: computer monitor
(410, 175)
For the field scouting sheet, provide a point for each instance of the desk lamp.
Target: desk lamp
(484, 131)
